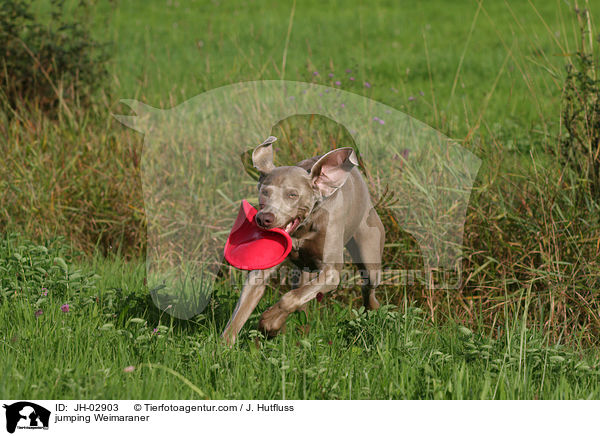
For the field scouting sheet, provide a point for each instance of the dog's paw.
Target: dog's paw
(272, 320)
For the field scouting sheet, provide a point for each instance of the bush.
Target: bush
(48, 63)
(37, 272)
(579, 147)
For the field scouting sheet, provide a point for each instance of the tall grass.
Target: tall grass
(111, 343)
(78, 177)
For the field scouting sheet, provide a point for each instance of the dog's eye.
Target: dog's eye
(292, 194)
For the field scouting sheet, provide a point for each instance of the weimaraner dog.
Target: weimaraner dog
(324, 205)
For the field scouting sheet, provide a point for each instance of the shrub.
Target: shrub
(48, 63)
(579, 147)
(37, 272)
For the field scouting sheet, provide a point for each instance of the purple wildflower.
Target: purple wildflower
(352, 78)
(367, 85)
(422, 93)
(64, 308)
(315, 73)
(348, 70)
(343, 105)
(338, 83)
(330, 74)
(381, 121)
(411, 98)
(44, 292)
(39, 313)
(129, 368)
(375, 118)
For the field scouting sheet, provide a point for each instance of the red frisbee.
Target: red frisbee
(252, 247)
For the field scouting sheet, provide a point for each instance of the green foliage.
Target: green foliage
(112, 340)
(580, 145)
(37, 272)
(365, 327)
(49, 63)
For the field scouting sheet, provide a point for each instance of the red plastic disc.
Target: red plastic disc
(251, 247)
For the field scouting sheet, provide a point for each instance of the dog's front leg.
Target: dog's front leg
(273, 319)
(252, 292)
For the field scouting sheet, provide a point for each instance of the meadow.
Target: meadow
(90, 331)
(77, 320)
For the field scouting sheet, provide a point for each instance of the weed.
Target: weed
(580, 144)
(48, 64)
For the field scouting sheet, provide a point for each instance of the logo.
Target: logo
(190, 150)
(26, 415)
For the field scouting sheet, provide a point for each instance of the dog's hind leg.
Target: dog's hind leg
(366, 249)
(273, 319)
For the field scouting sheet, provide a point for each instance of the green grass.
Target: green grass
(346, 354)
(503, 61)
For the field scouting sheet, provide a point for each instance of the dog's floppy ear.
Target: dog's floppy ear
(331, 171)
(262, 157)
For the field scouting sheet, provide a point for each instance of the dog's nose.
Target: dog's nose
(265, 219)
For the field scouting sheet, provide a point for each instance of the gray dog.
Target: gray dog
(324, 204)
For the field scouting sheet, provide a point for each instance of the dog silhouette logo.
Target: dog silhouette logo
(193, 150)
(26, 415)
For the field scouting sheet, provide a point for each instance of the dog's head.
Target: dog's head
(288, 194)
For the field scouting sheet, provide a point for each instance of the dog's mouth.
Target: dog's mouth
(290, 227)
